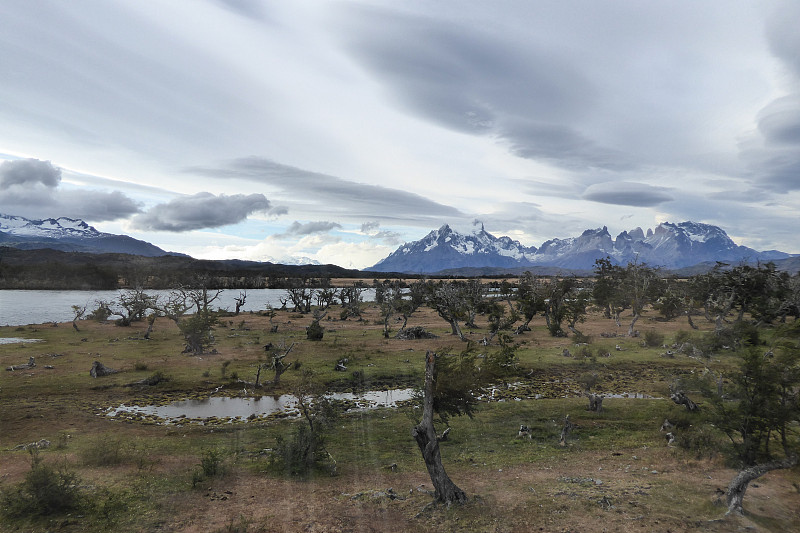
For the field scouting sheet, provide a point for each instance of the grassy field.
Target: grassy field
(616, 472)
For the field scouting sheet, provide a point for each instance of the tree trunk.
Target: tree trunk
(457, 329)
(425, 434)
(739, 484)
(689, 319)
(636, 316)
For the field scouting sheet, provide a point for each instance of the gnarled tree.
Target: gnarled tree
(759, 412)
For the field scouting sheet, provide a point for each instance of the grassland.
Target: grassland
(615, 474)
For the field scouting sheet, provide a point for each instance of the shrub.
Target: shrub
(45, 491)
(139, 366)
(653, 338)
(580, 338)
(701, 440)
(211, 463)
(105, 452)
(682, 337)
(588, 380)
(315, 332)
(100, 314)
(300, 451)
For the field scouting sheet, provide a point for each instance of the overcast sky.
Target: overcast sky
(337, 130)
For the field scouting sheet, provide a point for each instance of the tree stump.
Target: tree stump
(595, 402)
(99, 370)
(680, 398)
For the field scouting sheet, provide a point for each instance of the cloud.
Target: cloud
(27, 172)
(202, 210)
(370, 228)
(525, 94)
(297, 229)
(352, 254)
(33, 188)
(248, 8)
(332, 195)
(627, 193)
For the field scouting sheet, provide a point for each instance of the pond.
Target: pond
(232, 409)
(13, 340)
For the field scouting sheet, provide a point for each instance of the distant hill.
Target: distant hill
(69, 235)
(671, 246)
(54, 269)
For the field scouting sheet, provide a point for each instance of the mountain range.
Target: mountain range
(449, 252)
(672, 246)
(69, 235)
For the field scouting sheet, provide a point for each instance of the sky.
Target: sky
(335, 131)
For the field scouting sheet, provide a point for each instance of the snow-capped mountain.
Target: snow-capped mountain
(445, 248)
(669, 245)
(69, 235)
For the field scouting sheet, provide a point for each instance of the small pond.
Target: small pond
(13, 340)
(231, 409)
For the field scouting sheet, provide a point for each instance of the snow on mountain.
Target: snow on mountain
(668, 245)
(445, 248)
(51, 228)
(69, 235)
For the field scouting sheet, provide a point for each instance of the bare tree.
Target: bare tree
(300, 296)
(239, 301)
(79, 312)
(276, 356)
(131, 306)
(351, 298)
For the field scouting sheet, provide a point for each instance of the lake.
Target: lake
(19, 308)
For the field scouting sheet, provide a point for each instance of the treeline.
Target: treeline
(55, 270)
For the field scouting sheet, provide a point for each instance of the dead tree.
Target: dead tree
(79, 312)
(277, 364)
(99, 370)
(30, 364)
(595, 402)
(680, 398)
(566, 429)
(424, 434)
(239, 302)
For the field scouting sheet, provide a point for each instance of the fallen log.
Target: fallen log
(30, 364)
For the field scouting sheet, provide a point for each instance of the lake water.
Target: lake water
(19, 308)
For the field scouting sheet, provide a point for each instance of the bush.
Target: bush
(701, 440)
(314, 332)
(580, 338)
(211, 463)
(105, 452)
(682, 337)
(653, 338)
(299, 453)
(100, 314)
(45, 491)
